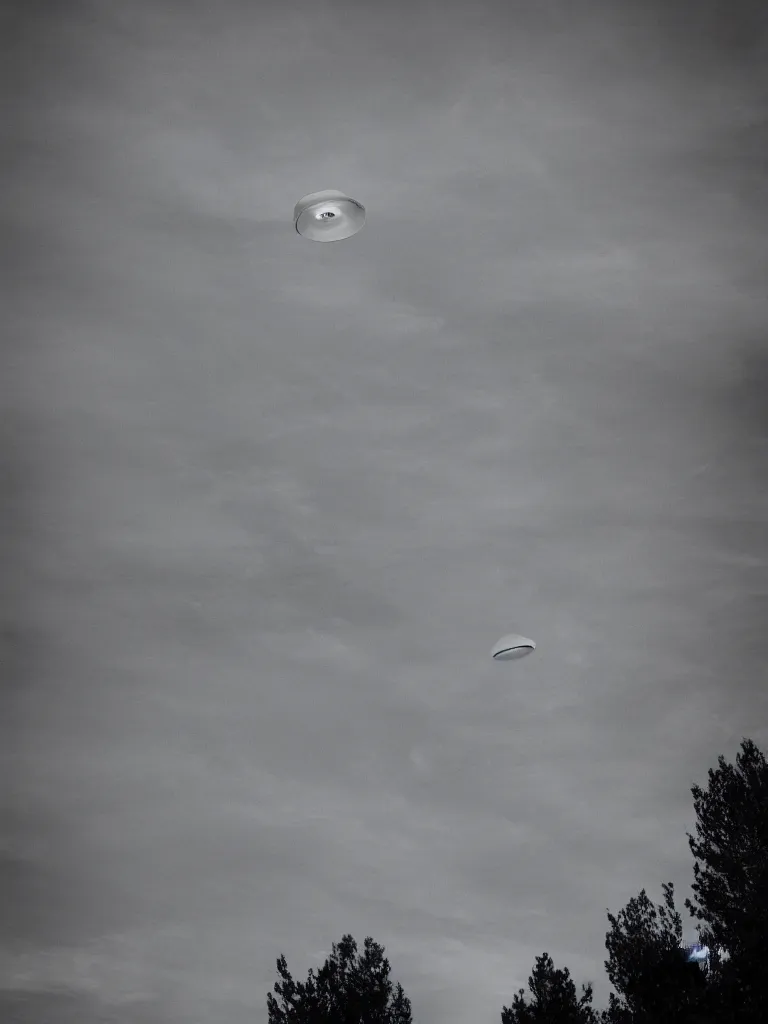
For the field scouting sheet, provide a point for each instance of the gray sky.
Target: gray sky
(267, 504)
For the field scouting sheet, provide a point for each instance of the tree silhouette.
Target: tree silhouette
(648, 968)
(731, 881)
(616, 1012)
(554, 998)
(348, 989)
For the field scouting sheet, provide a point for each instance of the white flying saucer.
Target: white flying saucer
(328, 216)
(512, 647)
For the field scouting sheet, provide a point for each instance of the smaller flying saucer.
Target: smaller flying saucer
(328, 216)
(512, 647)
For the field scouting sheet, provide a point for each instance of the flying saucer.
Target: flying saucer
(328, 216)
(512, 647)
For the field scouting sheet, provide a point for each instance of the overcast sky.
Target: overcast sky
(266, 504)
